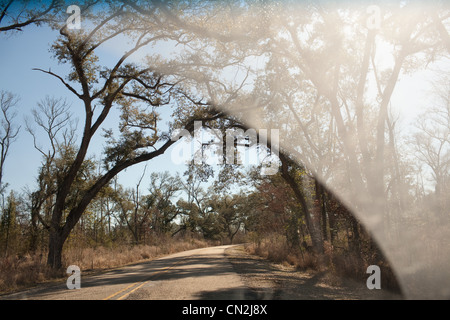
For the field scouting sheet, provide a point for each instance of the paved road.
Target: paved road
(196, 274)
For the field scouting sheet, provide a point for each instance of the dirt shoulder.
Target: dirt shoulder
(272, 281)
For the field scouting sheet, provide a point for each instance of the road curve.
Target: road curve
(195, 274)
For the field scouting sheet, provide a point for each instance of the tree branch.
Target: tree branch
(62, 80)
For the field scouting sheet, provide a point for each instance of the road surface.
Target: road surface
(195, 274)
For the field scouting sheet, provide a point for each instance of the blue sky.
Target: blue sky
(20, 52)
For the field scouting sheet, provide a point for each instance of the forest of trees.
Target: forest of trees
(352, 185)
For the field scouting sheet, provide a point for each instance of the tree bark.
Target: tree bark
(34, 233)
(320, 202)
(55, 247)
(314, 231)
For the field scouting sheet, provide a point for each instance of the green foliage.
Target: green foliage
(76, 52)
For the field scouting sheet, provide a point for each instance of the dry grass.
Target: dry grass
(105, 258)
(276, 250)
(338, 265)
(19, 272)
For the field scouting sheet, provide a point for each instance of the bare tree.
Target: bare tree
(9, 131)
(52, 117)
(130, 203)
(431, 141)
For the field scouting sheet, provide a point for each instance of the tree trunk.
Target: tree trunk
(314, 230)
(356, 238)
(34, 233)
(333, 228)
(332, 218)
(320, 201)
(6, 240)
(55, 246)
